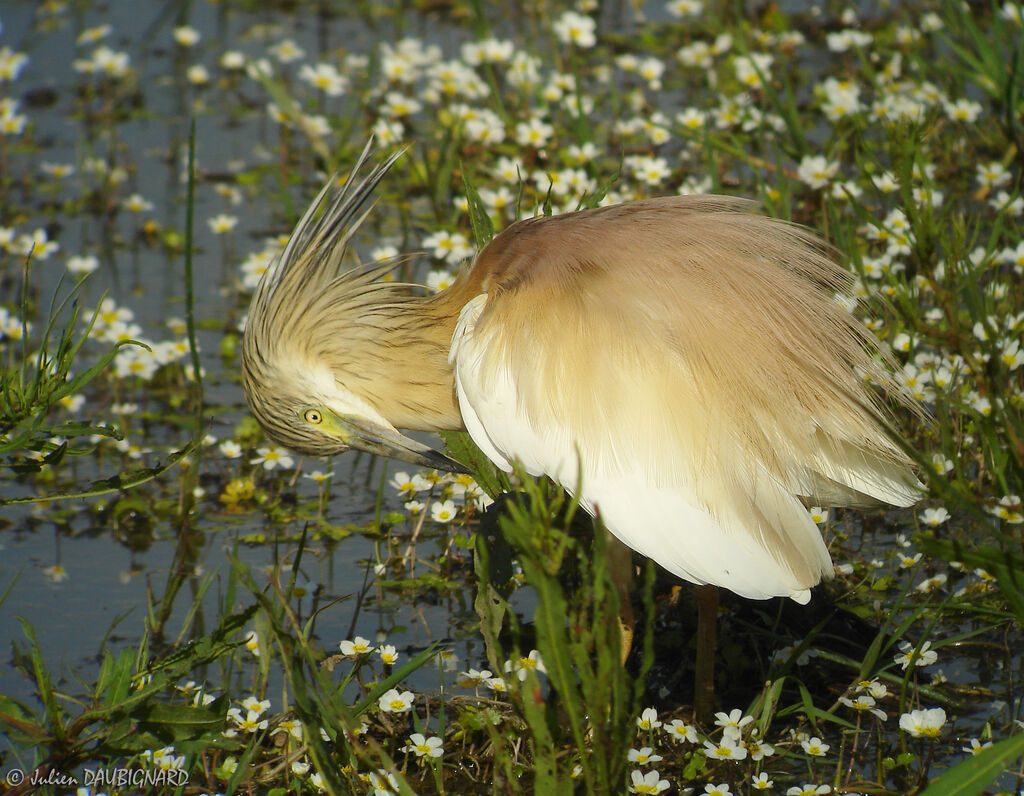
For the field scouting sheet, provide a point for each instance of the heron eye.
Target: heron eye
(313, 416)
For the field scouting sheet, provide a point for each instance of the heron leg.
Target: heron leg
(704, 672)
(620, 567)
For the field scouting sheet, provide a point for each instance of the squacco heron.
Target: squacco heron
(679, 364)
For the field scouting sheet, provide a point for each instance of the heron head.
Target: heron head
(301, 405)
(313, 359)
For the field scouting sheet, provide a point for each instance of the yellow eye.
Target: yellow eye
(313, 416)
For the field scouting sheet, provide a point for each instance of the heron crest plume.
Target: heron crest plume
(682, 364)
(316, 327)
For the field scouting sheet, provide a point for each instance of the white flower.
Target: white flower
(843, 40)
(438, 280)
(474, 677)
(197, 75)
(186, 36)
(398, 104)
(643, 756)
(414, 507)
(728, 749)
(651, 70)
(921, 657)
(651, 782)
(222, 223)
(409, 485)
(257, 706)
(251, 722)
(443, 511)
(355, 647)
(1008, 508)
(230, 449)
(287, 51)
(272, 458)
(818, 515)
(11, 64)
(388, 131)
(932, 583)
(384, 783)
(758, 750)
(37, 243)
(521, 666)
(841, 98)
(83, 264)
(232, 60)
(424, 747)
(291, 726)
(534, 133)
(252, 643)
(685, 8)
(934, 517)
(815, 747)
(680, 731)
(993, 174)
(877, 689)
(575, 28)
(749, 68)
(816, 171)
(56, 573)
(963, 110)
(923, 723)
(496, 684)
(864, 702)
(324, 77)
(732, 723)
(691, 118)
(649, 170)
(908, 561)
(453, 247)
(394, 701)
(648, 719)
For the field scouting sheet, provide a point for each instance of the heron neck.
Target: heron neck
(414, 381)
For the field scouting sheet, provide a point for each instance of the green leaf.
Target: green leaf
(460, 446)
(44, 684)
(115, 680)
(209, 648)
(179, 722)
(117, 483)
(973, 775)
(16, 720)
(479, 219)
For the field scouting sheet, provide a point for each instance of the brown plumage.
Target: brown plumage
(680, 363)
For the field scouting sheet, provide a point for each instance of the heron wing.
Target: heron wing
(683, 367)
